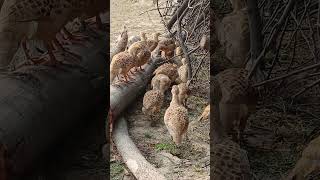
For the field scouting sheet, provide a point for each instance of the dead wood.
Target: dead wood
(131, 155)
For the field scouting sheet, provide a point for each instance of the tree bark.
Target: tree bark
(122, 97)
(39, 105)
(131, 155)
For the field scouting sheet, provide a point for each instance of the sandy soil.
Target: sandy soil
(126, 12)
(187, 161)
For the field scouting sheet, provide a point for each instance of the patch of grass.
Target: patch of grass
(147, 135)
(116, 169)
(165, 147)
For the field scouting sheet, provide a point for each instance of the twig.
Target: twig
(274, 34)
(306, 88)
(287, 75)
(197, 70)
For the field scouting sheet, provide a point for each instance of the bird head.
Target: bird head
(175, 90)
(183, 61)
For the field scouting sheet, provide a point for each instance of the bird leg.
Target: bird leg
(74, 39)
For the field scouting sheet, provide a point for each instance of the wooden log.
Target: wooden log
(131, 155)
(39, 105)
(120, 99)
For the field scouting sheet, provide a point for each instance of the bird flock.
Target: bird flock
(232, 98)
(135, 52)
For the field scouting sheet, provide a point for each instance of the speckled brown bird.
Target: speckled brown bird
(183, 71)
(140, 52)
(153, 43)
(176, 118)
(308, 163)
(229, 161)
(122, 40)
(162, 80)
(205, 114)
(132, 40)
(183, 93)
(167, 46)
(234, 35)
(234, 99)
(169, 69)
(121, 64)
(179, 52)
(152, 102)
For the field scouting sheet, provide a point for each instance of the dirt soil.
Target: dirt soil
(191, 159)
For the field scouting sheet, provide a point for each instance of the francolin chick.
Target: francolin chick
(176, 117)
(229, 161)
(205, 43)
(132, 40)
(179, 53)
(233, 99)
(122, 40)
(167, 46)
(163, 81)
(183, 93)
(205, 114)
(168, 69)
(121, 64)
(234, 35)
(183, 71)
(152, 101)
(140, 52)
(153, 43)
(308, 163)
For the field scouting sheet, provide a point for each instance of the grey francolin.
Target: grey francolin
(167, 46)
(122, 40)
(234, 35)
(183, 71)
(152, 101)
(176, 118)
(183, 93)
(140, 52)
(163, 81)
(233, 99)
(308, 163)
(229, 161)
(121, 64)
(168, 69)
(153, 43)
(132, 40)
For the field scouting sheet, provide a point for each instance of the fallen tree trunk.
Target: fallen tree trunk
(40, 105)
(131, 155)
(120, 99)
